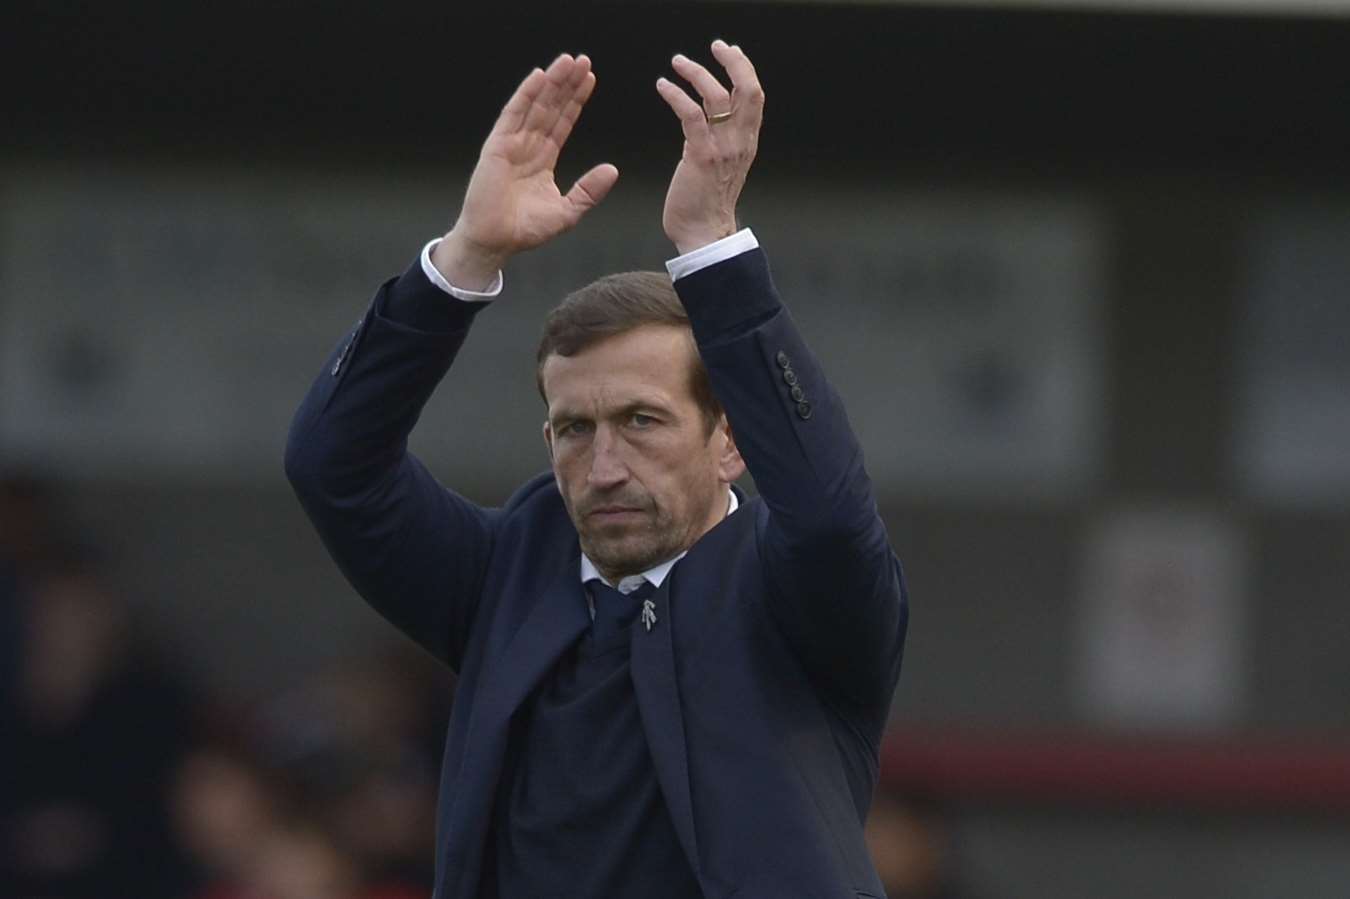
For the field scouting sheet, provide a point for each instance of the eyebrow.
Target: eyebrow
(643, 406)
(566, 415)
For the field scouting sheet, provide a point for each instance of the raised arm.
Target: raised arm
(413, 549)
(837, 589)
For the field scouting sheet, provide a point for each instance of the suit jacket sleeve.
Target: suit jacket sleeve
(414, 550)
(836, 588)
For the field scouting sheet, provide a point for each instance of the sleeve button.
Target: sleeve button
(798, 395)
(783, 360)
(790, 377)
(804, 410)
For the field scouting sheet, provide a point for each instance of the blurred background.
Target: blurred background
(1079, 270)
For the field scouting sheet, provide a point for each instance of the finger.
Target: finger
(544, 112)
(692, 119)
(591, 188)
(578, 83)
(541, 113)
(513, 113)
(572, 111)
(744, 79)
(716, 98)
(568, 101)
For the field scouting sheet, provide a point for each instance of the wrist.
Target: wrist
(697, 239)
(466, 265)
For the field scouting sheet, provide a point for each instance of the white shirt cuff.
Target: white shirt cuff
(718, 251)
(469, 296)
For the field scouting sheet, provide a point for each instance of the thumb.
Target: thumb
(592, 187)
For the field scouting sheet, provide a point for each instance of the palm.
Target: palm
(513, 202)
(514, 197)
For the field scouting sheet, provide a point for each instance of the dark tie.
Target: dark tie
(615, 611)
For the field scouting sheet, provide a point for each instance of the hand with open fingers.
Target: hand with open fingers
(513, 202)
(721, 136)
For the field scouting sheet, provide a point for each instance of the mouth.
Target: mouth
(613, 514)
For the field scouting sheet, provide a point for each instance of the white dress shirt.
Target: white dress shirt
(717, 251)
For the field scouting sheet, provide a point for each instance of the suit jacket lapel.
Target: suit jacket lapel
(558, 617)
(653, 670)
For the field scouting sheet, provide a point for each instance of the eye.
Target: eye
(641, 420)
(573, 429)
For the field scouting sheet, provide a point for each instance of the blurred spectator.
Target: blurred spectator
(301, 863)
(27, 535)
(92, 729)
(333, 798)
(360, 746)
(326, 791)
(248, 848)
(254, 845)
(909, 843)
(28, 520)
(225, 814)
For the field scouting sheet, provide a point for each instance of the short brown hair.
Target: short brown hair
(616, 304)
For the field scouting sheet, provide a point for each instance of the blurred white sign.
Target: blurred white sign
(1161, 629)
(156, 324)
(964, 332)
(1293, 415)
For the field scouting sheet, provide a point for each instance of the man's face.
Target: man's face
(641, 476)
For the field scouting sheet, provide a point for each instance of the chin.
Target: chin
(629, 556)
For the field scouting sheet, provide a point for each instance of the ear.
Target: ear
(730, 465)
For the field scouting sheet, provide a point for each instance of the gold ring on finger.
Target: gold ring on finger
(718, 118)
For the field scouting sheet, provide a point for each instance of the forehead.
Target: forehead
(651, 362)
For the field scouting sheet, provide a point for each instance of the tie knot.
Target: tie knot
(614, 610)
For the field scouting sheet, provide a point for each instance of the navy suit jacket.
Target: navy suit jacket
(765, 683)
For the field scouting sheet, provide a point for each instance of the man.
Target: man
(665, 689)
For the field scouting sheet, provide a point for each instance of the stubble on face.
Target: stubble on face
(625, 542)
(628, 541)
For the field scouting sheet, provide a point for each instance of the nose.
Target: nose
(608, 468)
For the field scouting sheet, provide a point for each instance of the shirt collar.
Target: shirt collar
(656, 574)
